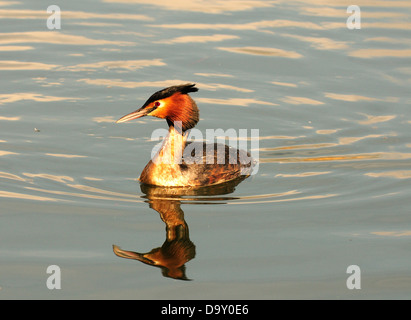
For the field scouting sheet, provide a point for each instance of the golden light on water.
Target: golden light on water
(337, 158)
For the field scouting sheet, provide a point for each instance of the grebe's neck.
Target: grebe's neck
(171, 151)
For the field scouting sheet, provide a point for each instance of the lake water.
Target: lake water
(332, 190)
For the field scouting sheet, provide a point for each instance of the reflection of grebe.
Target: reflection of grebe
(170, 166)
(177, 249)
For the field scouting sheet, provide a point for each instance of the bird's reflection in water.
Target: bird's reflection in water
(177, 249)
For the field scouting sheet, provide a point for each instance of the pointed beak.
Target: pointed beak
(135, 114)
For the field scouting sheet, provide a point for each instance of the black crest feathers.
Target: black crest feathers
(168, 92)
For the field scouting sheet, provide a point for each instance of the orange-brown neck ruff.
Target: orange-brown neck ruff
(179, 110)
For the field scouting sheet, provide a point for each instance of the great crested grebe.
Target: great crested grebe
(179, 163)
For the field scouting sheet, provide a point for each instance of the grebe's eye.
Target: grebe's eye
(157, 104)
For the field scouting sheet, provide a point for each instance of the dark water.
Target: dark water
(333, 184)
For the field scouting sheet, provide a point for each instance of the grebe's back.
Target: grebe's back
(179, 162)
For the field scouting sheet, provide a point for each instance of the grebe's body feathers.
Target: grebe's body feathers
(217, 163)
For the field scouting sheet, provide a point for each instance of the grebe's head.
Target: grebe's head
(173, 104)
